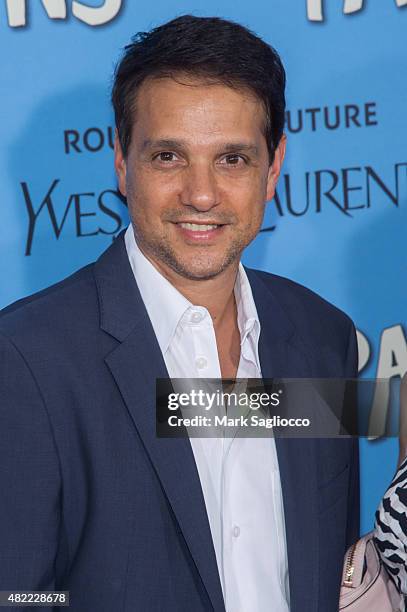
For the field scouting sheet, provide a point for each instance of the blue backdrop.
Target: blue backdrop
(338, 224)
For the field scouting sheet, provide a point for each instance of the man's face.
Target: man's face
(197, 174)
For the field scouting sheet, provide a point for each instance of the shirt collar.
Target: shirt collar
(247, 317)
(156, 290)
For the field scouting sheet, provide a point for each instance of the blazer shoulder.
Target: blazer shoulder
(303, 305)
(59, 305)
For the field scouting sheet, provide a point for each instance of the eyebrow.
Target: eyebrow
(168, 143)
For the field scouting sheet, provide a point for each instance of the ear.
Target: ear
(119, 164)
(275, 168)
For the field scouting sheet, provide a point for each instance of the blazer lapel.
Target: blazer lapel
(135, 364)
(282, 355)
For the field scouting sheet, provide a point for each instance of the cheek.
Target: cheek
(251, 206)
(249, 188)
(146, 198)
(254, 217)
(155, 189)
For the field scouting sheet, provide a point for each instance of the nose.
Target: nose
(199, 188)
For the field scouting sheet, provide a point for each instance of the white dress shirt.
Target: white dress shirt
(239, 477)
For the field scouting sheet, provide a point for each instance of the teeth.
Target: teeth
(198, 228)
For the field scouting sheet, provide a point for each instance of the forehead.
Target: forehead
(191, 107)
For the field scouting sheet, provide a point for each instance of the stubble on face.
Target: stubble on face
(201, 265)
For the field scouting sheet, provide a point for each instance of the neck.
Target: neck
(215, 294)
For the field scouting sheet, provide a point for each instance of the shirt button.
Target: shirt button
(201, 362)
(196, 317)
(236, 531)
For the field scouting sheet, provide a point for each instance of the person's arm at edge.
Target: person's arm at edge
(403, 421)
(30, 481)
(353, 524)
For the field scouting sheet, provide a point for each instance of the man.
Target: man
(93, 502)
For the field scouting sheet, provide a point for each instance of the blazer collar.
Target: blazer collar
(121, 307)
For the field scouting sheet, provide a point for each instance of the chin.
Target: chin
(195, 265)
(198, 271)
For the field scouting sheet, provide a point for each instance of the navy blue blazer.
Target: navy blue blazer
(94, 503)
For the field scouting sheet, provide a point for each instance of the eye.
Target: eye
(233, 159)
(165, 156)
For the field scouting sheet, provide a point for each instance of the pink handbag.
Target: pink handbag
(376, 591)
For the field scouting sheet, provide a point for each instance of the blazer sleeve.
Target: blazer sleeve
(29, 480)
(353, 523)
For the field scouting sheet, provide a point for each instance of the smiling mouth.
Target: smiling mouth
(200, 233)
(199, 227)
